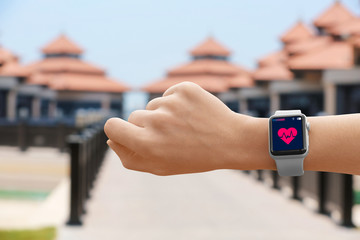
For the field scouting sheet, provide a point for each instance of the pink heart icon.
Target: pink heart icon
(287, 135)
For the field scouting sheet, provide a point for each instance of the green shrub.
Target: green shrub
(47, 233)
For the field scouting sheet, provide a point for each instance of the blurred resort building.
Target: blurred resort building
(315, 71)
(57, 86)
(211, 69)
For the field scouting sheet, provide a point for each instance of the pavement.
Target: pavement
(35, 170)
(223, 204)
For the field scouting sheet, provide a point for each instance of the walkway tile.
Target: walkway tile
(216, 205)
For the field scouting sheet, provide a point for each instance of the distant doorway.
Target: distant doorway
(259, 107)
(3, 101)
(348, 99)
(311, 104)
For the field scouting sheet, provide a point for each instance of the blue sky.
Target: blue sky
(137, 41)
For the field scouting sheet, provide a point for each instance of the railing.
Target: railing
(332, 192)
(24, 134)
(87, 150)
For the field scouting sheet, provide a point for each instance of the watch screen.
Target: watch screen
(287, 135)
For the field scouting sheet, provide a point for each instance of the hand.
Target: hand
(187, 130)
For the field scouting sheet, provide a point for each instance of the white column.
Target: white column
(105, 104)
(11, 105)
(52, 109)
(243, 105)
(274, 102)
(330, 98)
(36, 104)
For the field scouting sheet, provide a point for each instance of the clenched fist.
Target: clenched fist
(187, 130)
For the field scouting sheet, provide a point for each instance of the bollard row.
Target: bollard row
(330, 193)
(87, 151)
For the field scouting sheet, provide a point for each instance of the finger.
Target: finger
(180, 87)
(154, 103)
(123, 132)
(171, 90)
(122, 152)
(127, 157)
(138, 117)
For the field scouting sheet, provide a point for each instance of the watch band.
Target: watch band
(287, 112)
(289, 165)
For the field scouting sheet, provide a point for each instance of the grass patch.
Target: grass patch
(23, 195)
(47, 233)
(357, 197)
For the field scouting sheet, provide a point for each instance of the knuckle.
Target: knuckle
(188, 88)
(133, 116)
(159, 172)
(153, 104)
(109, 123)
(128, 165)
(170, 101)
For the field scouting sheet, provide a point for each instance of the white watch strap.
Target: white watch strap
(287, 112)
(289, 165)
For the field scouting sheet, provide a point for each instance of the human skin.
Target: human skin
(189, 130)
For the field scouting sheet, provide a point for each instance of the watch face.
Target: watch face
(287, 135)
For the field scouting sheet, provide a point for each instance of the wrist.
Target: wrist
(251, 136)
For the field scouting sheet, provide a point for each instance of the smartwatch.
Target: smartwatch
(289, 141)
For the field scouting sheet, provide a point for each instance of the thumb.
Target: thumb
(120, 150)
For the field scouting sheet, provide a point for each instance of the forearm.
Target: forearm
(334, 145)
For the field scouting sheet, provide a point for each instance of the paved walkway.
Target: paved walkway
(216, 205)
(38, 169)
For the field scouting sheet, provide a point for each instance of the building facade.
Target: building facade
(58, 86)
(211, 68)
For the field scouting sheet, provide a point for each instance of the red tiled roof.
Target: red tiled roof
(205, 66)
(349, 27)
(14, 69)
(296, 33)
(214, 75)
(355, 40)
(336, 14)
(69, 73)
(307, 45)
(63, 64)
(210, 47)
(273, 58)
(273, 72)
(62, 45)
(336, 55)
(6, 56)
(79, 82)
(210, 83)
(241, 80)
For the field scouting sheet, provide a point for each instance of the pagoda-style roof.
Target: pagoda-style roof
(334, 15)
(210, 83)
(78, 82)
(205, 66)
(64, 64)
(307, 45)
(63, 71)
(349, 27)
(296, 33)
(355, 41)
(6, 56)
(62, 45)
(210, 47)
(335, 55)
(9, 64)
(211, 73)
(273, 58)
(13, 69)
(273, 72)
